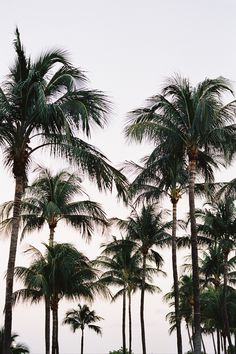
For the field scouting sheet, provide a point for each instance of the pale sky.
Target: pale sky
(128, 48)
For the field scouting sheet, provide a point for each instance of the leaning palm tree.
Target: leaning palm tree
(81, 318)
(63, 272)
(44, 104)
(149, 231)
(194, 124)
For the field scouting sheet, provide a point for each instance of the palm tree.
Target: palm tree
(44, 104)
(220, 225)
(194, 124)
(49, 200)
(163, 176)
(16, 348)
(121, 264)
(61, 272)
(148, 230)
(81, 318)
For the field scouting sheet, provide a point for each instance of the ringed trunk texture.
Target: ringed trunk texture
(82, 342)
(130, 323)
(19, 182)
(123, 322)
(142, 306)
(194, 252)
(55, 346)
(51, 235)
(175, 278)
(47, 325)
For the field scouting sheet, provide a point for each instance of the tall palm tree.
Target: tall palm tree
(61, 272)
(163, 176)
(121, 264)
(81, 318)
(44, 104)
(50, 199)
(148, 230)
(194, 124)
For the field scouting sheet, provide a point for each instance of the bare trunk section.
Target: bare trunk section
(225, 310)
(11, 263)
(194, 252)
(142, 305)
(130, 323)
(54, 306)
(47, 325)
(82, 342)
(51, 235)
(175, 278)
(123, 322)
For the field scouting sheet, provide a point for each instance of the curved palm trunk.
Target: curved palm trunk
(11, 263)
(130, 323)
(47, 325)
(82, 342)
(175, 277)
(189, 336)
(225, 310)
(54, 306)
(123, 322)
(142, 305)
(194, 252)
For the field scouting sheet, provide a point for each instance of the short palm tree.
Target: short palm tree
(120, 262)
(16, 348)
(82, 318)
(194, 124)
(61, 272)
(44, 104)
(219, 223)
(51, 199)
(149, 231)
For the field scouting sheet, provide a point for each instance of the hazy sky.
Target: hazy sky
(128, 48)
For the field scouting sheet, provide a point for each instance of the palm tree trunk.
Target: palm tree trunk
(218, 340)
(175, 277)
(82, 342)
(213, 341)
(225, 310)
(123, 322)
(47, 325)
(55, 346)
(189, 336)
(203, 345)
(130, 323)
(51, 235)
(19, 183)
(142, 305)
(195, 268)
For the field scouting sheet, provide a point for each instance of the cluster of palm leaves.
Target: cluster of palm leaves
(45, 104)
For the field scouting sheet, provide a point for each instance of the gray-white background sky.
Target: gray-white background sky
(128, 48)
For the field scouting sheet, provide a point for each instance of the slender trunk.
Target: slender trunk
(47, 325)
(51, 235)
(130, 323)
(203, 345)
(213, 341)
(82, 342)
(142, 305)
(189, 336)
(175, 278)
(224, 343)
(195, 268)
(54, 306)
(19, 181)
(123, 322)
(218, 340)
(225, 310)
